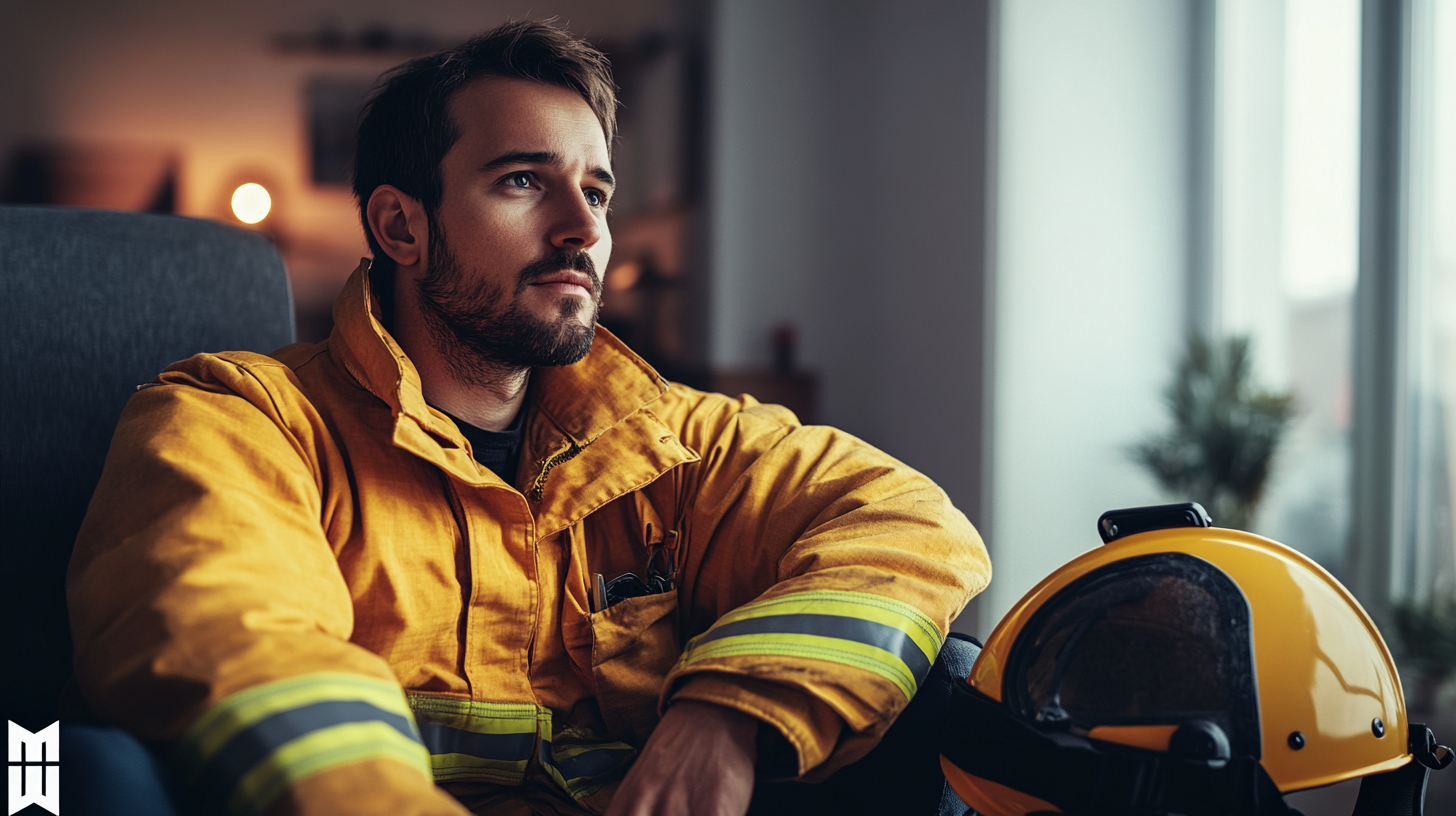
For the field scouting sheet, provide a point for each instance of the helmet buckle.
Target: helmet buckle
(1202, 743)
(1426, 750)
(1053, 716)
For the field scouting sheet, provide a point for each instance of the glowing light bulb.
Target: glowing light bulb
(251, 203)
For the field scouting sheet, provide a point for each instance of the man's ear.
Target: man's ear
(399, 224)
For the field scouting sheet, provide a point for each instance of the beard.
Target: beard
(481, 333)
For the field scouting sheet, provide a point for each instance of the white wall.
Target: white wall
(849, 183)
(1090, 268)
(848, 198)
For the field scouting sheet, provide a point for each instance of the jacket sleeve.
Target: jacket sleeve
(823, 574)
(209, 613)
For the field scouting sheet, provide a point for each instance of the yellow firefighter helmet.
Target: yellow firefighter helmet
(1182, 668)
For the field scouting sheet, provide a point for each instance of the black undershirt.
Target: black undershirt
(498, 450)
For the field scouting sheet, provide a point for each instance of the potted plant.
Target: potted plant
(1225, 431)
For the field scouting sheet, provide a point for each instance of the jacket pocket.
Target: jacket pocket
(634, 646)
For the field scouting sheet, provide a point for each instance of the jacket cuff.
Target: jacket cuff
(379, 786)
(252, 746)
(810, 727)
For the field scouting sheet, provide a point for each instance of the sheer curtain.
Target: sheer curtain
(1286, 155)
(1424, 546)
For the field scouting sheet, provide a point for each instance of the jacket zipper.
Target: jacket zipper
(538, 488)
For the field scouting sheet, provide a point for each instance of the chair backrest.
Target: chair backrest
(93, 303)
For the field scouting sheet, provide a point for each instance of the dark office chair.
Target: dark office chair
(93, 303)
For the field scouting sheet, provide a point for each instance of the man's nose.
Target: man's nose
(576, 225)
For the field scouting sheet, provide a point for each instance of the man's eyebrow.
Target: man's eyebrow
(522, 157)
(603, 176)
(544, 157)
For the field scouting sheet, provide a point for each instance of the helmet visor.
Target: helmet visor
(1155, 639)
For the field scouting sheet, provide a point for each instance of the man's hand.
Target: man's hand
(699, 760)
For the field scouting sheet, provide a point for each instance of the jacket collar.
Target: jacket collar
(582, 401)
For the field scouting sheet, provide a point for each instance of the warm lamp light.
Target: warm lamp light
(623, 276)
(251, 203)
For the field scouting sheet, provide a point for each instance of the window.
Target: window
(1423, 551)
(1286, 154)
(1333, 244)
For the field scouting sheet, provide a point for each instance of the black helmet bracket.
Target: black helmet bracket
(986, 739)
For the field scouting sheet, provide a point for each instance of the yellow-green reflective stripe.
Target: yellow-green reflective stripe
(252, 746)
(237, 712)
(562, 753)
(885, 636)
(317, 751)
(868, 633)
(836, 650)
(494, 741)
(921, 629)
(581, 788)
(470, 739)
(464, 766)
(583, 769)
(480, 717)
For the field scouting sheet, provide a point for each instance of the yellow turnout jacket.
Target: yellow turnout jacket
(294, 573)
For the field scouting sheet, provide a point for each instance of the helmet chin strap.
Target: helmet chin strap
(983, 738)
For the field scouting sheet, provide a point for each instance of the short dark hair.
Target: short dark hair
(405, 129)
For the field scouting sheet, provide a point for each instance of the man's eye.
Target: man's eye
(596, 198)
(521, 180)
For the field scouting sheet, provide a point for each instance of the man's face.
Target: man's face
(518, 244)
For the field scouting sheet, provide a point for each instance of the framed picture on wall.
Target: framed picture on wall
(334, 104)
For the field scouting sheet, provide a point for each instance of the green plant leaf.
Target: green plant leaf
(1225, 431)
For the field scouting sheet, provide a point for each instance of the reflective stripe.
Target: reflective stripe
(457, 754)
(881, 635)
(477, 740)
(888, 638)
(593, 760)
(239, 711)
(442, 739)
(318, 751)
(251, 745)
(584, 769)
(859, 605)
(494, 742)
